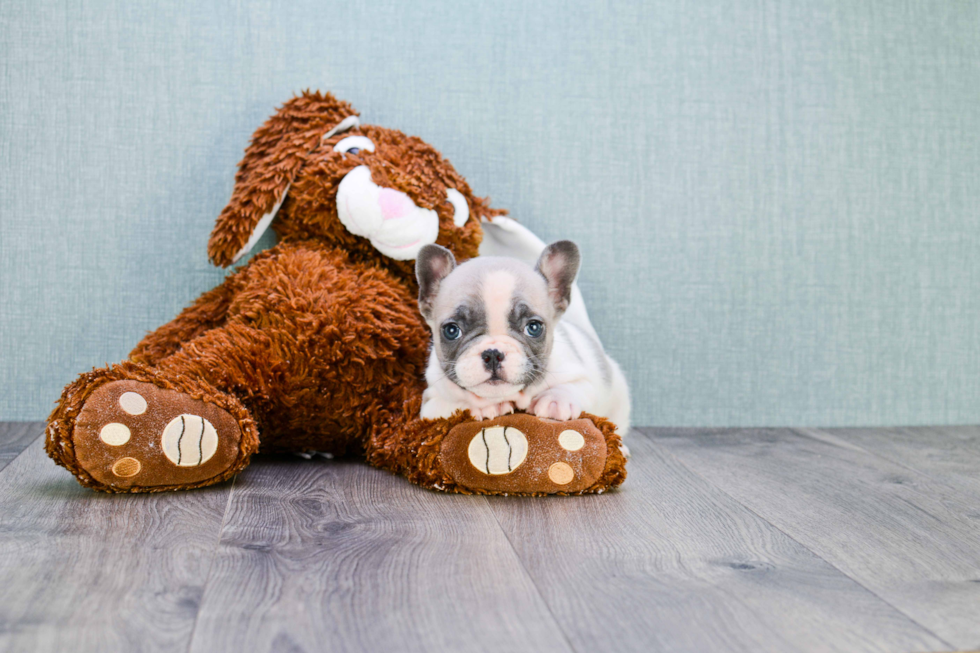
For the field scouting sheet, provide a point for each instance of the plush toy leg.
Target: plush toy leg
(208, 312)
(515, 454)
(129, 428)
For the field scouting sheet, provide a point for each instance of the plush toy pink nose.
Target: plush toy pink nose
(394, 204)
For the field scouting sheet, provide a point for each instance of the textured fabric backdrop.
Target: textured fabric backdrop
(777, 201)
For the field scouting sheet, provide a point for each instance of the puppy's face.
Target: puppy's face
(493, 319)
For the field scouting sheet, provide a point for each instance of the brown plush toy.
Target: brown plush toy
(317, 344)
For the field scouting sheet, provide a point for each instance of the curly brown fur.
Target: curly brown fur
(278, 150)
(317, 343)
(410, 446)
(314, 344)
(207, 312)
(58, 437)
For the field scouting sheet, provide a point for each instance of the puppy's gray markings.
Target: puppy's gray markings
(500, 342)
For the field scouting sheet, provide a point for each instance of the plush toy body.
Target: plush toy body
(317, 343)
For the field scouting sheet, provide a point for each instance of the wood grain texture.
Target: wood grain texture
(950, 455)
(14, 438)
(84, 571)
(734, 540)
(911, 540)
(335, 555)
(671, 563)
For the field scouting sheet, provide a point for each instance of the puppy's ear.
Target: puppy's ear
(278, 150)
(558, 265)
(433, 264)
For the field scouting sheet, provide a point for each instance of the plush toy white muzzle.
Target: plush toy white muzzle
(387, 217)
(395, 225)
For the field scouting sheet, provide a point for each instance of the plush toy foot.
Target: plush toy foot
(131, 433)
(523, 454)
(133, 436)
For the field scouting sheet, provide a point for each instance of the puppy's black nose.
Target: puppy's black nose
(492, 359)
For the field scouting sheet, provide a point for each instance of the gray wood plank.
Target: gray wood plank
(335, 555)
(909, 539)
(670, 563)
(949, 455)
(14, 438)
(84, 571)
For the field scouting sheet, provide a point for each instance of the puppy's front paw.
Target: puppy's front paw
(435, 408)
(555, 404)
(495, 410)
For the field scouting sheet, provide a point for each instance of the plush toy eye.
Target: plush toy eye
(451, 331)
(534, 328)
(354, 145)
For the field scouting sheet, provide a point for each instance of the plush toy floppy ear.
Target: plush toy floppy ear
(432, 265)
(277, 152)
(558, 265)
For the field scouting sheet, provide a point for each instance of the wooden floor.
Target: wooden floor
(720, 540)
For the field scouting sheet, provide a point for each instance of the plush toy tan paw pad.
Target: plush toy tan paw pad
(524, 454)
(131, 434)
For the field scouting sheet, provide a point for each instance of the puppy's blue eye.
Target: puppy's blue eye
(534, 328)
(451, 331)
(354, 150)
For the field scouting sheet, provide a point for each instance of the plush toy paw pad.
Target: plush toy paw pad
(522, 453)
(133, 403)
(496, 452)
(189, 440)
(126, 467)
(561, 473)
(571, 440)
(131, 434)
(115, 434)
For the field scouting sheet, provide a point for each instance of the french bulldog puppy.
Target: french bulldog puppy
(499, 343)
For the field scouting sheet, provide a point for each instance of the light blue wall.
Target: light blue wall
(778, 202)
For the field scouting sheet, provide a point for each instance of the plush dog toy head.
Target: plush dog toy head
(312, 171)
